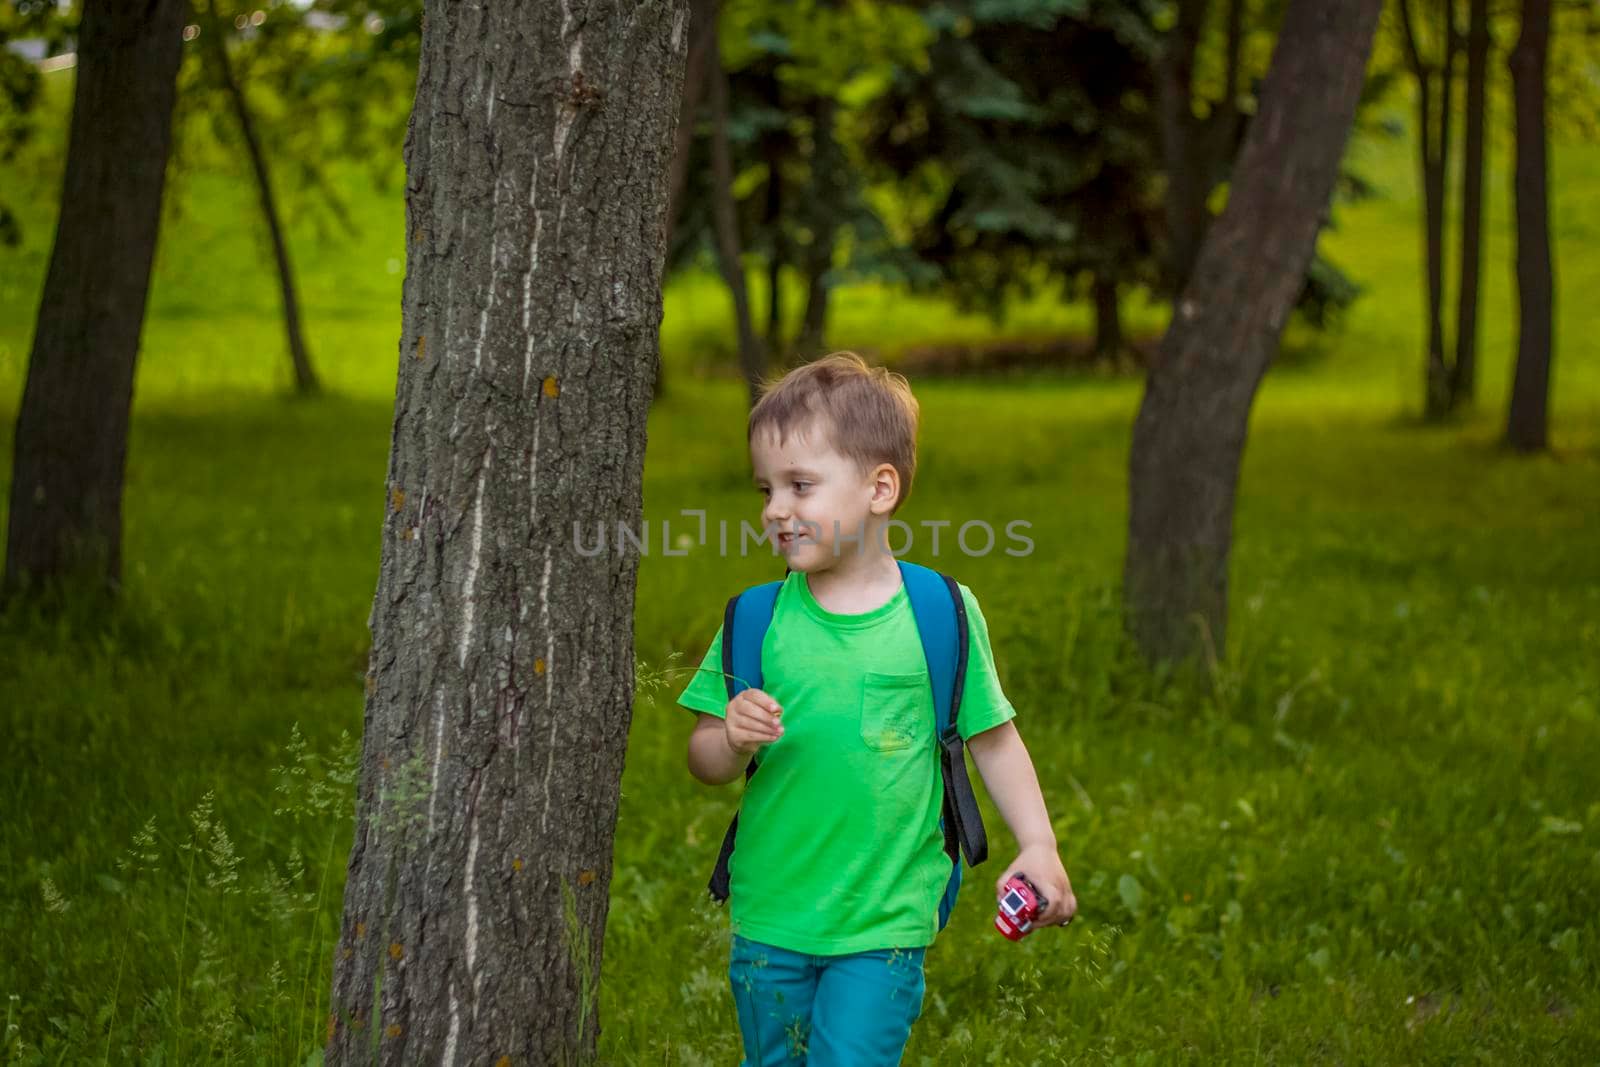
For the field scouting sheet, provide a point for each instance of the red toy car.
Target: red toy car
(1020, 904)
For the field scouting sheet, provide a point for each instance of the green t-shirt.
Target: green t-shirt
(839, 847)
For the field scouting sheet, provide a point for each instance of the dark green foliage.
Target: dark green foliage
(1032, 129)
(799, 76)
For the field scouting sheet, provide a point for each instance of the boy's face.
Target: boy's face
(818, 500)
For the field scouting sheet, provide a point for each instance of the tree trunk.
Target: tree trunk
(1465, 370)
(814, 327)
(71, 436)
(725, 220)
(702, 23)
(1107, 320)
(1433, 155)
(305, 379)
(702, 53)
(1527, 420)
(501, 674)
(1443, 372)
(771, 151)
(1229, 118)
(1189, 436)
(825, 199)
(702, 35)
(1233, 59)
(1184, 151)
(775, 308)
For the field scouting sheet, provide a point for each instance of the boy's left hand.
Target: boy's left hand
(1042, 866)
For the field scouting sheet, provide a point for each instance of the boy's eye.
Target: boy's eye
(801, 487)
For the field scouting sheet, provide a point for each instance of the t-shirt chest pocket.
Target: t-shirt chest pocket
(892, 710)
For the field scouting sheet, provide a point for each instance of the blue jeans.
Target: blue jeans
(853, 1010)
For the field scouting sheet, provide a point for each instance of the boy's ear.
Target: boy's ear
(885, 488)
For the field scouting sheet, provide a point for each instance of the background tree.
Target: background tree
(1464, 373)
(725, 224)
(1433, 36)
(1189, 436)
(305, 378)
(72, 429)
(1193, 146)
(1036, 177)
(1038, 143)
(502, 670)
(1528, 417)
(703, 58)
(1209, 64)
(1435, 77)
(800, 76)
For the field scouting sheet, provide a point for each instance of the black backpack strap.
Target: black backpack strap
(719, 874)
(963, 822)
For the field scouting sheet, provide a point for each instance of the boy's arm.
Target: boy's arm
(1008, 775)
(711, 758)
(722, 745)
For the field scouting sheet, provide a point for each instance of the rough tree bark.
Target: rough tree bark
(1528, 418)
(71, 436)
(501, 674)
(305, 378)
(1189, 436)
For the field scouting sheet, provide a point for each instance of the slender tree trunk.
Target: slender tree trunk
(305, 379)
(1107, 319)
(1225, 136)
(1443, 371)
(702, 40)
(1465, 369)
(1189, 437)
(814, 327)
(825, 199)
(702, 23)
(775, 308)
(1527, 422)
(501, 679)
(1234, 55)
(725, 221)
(772, 151)
(71, 435)
(1184, 150)
(1433, 155)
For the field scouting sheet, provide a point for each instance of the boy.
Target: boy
(839, 864)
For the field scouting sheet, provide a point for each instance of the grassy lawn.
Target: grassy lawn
(1370, 835)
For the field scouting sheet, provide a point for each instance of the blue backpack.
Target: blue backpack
(941, 616)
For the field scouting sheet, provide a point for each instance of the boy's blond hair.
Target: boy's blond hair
(867, 414)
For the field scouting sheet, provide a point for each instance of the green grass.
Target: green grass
(1369, 834)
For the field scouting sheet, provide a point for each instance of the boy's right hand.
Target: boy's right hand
(752, 719)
